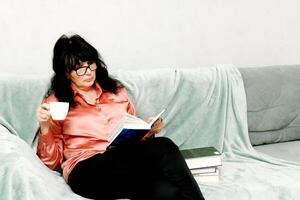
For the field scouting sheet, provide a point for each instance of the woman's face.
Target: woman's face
(84, 76)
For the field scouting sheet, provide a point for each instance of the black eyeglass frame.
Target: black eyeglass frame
(88, 67)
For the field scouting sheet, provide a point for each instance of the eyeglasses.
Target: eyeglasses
(82, 70)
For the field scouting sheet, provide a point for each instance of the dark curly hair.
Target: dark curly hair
(67, 53)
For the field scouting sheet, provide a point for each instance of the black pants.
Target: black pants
(151, 170)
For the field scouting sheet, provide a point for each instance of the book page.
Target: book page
(132, 122)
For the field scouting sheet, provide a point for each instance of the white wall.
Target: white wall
(154, 33)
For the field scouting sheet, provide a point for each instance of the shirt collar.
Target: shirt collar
(77, 92)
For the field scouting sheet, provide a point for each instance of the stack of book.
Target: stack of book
(204, 163)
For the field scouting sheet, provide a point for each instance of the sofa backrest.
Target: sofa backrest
(187, 94)
(20, 96)
(273, 103)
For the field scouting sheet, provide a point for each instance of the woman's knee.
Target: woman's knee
(165, 143)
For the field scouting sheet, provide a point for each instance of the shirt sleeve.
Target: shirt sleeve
(50, 145)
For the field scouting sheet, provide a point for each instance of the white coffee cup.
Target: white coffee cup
(59, 110)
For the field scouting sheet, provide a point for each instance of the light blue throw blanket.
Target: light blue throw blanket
(205, 107)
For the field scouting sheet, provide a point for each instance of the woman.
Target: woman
(151, 169)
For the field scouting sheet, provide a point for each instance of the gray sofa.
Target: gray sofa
(273, 109)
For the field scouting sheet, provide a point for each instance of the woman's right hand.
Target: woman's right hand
(43, 117)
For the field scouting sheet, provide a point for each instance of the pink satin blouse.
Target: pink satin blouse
(85, 131)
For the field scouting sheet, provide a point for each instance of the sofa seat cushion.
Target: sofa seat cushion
(284, 150)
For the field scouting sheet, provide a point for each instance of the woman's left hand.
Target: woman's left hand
(156, 128)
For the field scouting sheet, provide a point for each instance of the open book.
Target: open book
(131, 129)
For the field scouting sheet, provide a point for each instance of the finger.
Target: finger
(45, 106)
(156, 129)
(44, 112)
(43, 117)
(158, 124)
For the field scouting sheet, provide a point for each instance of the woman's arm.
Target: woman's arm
(50, 143)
